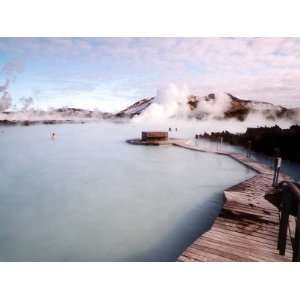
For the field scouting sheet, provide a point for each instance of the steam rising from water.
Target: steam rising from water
(171, 109)
(10, 70)
(5, 101)
(170, 102)
(217, 107)
(26, 102)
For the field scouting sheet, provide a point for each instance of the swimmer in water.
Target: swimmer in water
(53, 135)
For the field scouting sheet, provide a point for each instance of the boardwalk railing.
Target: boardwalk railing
(290, 208)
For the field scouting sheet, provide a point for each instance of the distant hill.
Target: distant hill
(52, 116)
(237, 108)
(212, 105)
(136, 108)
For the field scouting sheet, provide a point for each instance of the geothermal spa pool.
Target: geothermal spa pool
(89, 196)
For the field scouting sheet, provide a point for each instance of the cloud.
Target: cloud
(4, 87)
(12, 68)
(252, 68)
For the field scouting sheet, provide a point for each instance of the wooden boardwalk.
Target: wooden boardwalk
(248, 225)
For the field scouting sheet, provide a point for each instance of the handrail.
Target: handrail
(293, 187)
(290, 204)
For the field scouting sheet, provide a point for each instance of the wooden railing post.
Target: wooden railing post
(290, 205)
(284, 220)
(277, 165)
(296, 248)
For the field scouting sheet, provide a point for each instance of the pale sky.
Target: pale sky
(111, 73)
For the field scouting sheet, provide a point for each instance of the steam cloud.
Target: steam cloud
(170, 102)
(5, 98)
(215, 108)
(10, 70)
(5, 101)
(171, 108)
(27, 102)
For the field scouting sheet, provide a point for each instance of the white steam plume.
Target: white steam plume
(26, 102)
(214, 108)
(171, 109)
(170, 101)
(5, 101)
(10, 71)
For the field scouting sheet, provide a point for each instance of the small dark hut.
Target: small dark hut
(154, 136)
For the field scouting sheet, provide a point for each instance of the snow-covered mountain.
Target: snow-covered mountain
(216, 106)
(136, 108)
(219, 107)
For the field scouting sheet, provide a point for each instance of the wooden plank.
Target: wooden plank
(256, 253)
(200, 256)
(252, 234)
(184, 258)
(240, 236)
(251, 230)
(242, 243)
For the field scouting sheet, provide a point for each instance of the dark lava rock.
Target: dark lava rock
(264, 140)
(7, 122)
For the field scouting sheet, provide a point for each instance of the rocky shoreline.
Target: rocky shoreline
(264, 140)
(65, 115)
(36, 122)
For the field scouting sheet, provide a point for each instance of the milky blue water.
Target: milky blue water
(89, 196)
